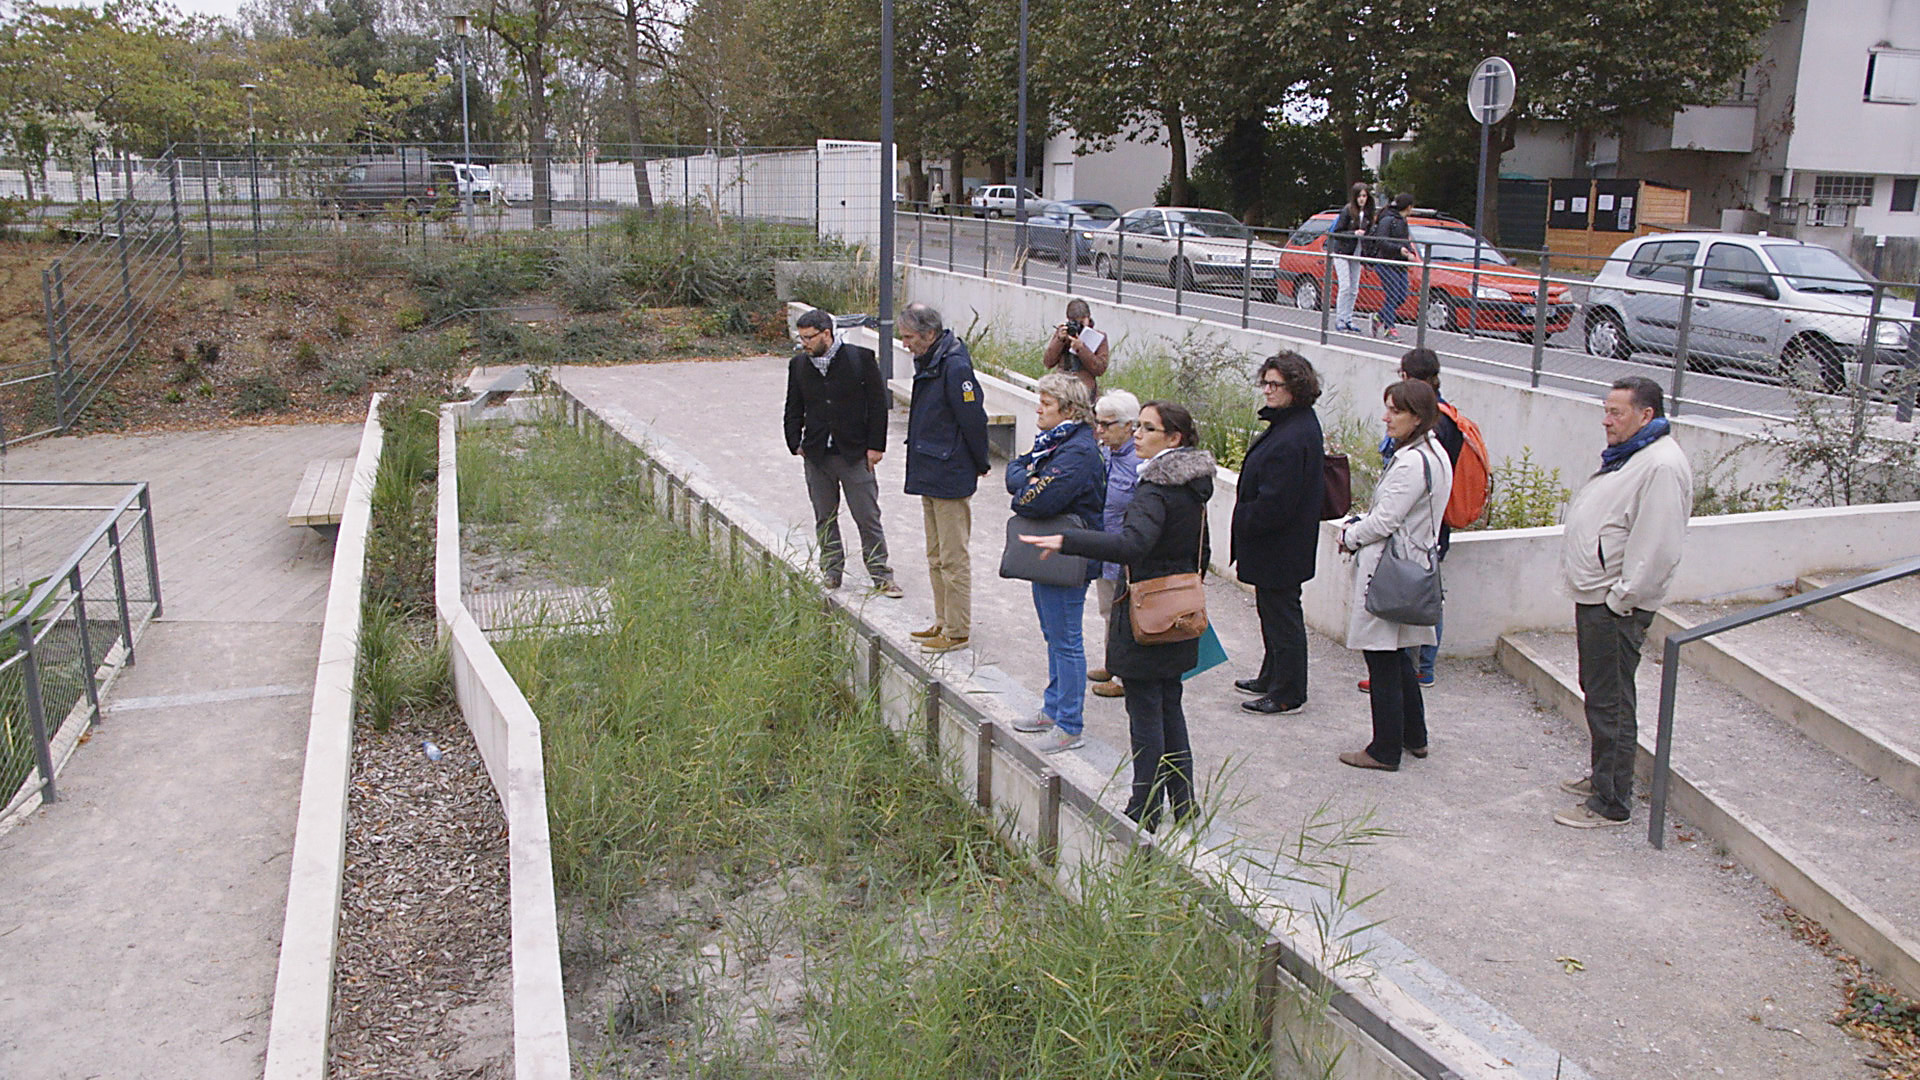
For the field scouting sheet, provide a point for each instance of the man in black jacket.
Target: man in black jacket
(836, 421)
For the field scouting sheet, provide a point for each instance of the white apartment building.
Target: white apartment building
(1822, 135)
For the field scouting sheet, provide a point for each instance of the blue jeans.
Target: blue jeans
(1423, 663)
(1061, 608)
(1393, 281)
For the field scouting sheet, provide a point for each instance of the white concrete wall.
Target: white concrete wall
(1126, 176)
(303, 985)
(1834, 129)
(1562, 429)
(507, 733)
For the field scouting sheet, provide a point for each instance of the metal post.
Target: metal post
(983, 765)
(920, 239)
(933, 721)
(1540, 320)
(1869, 342)
(1663, 745)
(93, 154)
(1419, 304)
(79, 584)
(986, 244)
(1680, 343)
(951, 227)
(153, 550)
(466, 128)
(874, 656)
(36, 712)
(816, 190)
(253, 183)
(1327, 277)
(120, 589)
(63, 378)
(1071, 254)
(1020, 152)
(1179, 274)
(206, 204)
(1246, 283)
(740, 178)
(1910, 371)
(173, 197)
(1049, 839)
(126, 279)
(886, 190)
(1266, 982)
(1119, 262)
(55, 369)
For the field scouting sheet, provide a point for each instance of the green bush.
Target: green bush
(259, 393)
(589, 280)
(1525, 495)
(346, 377)
(409, 319)
(450, 280)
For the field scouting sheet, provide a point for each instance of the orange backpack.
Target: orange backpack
(1472, 480)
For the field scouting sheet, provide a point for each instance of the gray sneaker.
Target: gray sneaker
(1056, 741)
(1582, 787)
(1582, 818)
(1037, 722)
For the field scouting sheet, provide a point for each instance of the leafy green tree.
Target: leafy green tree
(1128, 70)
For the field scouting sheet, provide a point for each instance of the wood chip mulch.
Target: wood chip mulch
(421, 975)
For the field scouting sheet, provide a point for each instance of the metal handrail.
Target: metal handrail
(58, 578)
(1670, 673)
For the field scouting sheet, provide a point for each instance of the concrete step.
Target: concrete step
(1888, 615)
(1848, 694)
(1837, 844)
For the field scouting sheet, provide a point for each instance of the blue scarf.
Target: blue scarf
(1613, 457)
(1045, 442)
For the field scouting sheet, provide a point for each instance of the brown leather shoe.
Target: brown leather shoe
(929, 632)
(943, 643)
(1360, 759)
(1417, 751)
(1111, 688)
(1099, 674)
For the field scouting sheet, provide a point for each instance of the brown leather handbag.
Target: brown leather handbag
(1173, 608)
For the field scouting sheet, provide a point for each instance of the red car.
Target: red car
(1506, 292)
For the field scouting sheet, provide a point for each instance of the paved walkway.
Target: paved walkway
(1686, 971)
(142, 927)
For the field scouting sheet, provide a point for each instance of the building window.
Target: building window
(1893, 77)
(1851, 190)
(1906, 191)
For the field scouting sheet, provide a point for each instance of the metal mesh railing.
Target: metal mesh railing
(1725, 341)
(66, 629)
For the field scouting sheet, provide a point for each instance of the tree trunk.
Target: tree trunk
(956, 176)
(1179, 192)
(537, 128)
(636, 115)
(997, 169)
(1351, 162)
(917, 179)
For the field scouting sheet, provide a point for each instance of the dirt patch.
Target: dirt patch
(422, 982)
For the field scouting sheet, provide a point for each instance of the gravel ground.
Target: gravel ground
(421, 980)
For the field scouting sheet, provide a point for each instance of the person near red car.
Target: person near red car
(1390, 241)
(1344, 238)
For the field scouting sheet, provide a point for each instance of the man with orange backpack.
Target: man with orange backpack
(1472, 481)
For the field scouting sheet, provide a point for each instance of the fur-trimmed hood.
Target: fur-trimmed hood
(1181, 467)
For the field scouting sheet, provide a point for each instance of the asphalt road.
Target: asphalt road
(1563, 361)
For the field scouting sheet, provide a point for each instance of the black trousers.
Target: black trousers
(1283, 631)
(1162, 757)
(1609, 656)
(1399, 714)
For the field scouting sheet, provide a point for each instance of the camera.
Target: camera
(1074, 326)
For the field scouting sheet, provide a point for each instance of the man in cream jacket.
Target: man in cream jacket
(1623, 538)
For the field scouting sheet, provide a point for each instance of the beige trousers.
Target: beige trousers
(949, 523)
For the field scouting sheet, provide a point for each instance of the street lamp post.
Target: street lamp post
(461, 25)
(253, 169)
(886, 190)
(1020, 147)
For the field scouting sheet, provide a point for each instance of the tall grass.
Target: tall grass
(401, 667)
(708, 735)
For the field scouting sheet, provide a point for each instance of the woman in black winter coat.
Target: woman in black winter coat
(1276, 527)
(1164, 533)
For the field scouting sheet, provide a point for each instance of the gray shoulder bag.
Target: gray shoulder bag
(1403, 589)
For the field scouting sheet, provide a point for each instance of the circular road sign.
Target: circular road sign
(1490, 91)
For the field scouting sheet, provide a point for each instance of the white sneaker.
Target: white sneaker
(1055, 741)
(1037, 722)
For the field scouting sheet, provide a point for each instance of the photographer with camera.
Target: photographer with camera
(1077, 349)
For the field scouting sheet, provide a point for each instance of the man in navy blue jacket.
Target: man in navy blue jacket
(946, 457)
(836, 421)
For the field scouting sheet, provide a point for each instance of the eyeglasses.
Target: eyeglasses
(1144, 426)
(808, 333)
(1271, 384)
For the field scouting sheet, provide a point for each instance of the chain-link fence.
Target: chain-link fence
(63, 628)
(1732, 325)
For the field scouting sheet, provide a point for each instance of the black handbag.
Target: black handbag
(1405, 588)
(1022, 560)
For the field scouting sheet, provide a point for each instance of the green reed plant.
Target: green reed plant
(706, 736)
(401, 666)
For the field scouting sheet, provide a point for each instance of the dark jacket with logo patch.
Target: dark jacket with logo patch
(947, 423)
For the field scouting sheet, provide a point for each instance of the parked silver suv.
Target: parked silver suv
(1781, 307)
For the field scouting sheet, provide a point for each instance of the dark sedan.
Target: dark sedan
(1048, 232)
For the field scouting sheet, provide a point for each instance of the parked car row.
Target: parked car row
(1780, 307)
